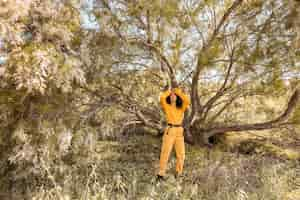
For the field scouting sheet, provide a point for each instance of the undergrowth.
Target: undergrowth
(126, 169)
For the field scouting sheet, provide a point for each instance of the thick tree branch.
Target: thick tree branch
(199, 67)
(278, 122)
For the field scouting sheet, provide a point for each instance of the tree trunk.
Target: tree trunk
(205, 134)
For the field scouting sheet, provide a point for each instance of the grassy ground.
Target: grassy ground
(209, 174)
(126, 169)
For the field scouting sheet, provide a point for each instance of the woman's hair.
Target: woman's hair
(178, 101)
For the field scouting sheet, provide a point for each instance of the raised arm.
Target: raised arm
(163, 98)
(184, 97)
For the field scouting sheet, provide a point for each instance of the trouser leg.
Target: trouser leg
(167, 145)
(180, 150)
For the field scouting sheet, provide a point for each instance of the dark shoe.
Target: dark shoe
(160, 178)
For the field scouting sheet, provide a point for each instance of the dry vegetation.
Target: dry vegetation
(125, 169)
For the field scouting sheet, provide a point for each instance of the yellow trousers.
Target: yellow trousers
(173, 136)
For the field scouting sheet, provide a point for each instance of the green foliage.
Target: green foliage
(170, 10)
(211, 53)
(35, 91)
(39, 66)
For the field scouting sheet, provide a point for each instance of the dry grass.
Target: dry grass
(126, 170)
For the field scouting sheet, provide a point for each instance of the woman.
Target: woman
(174, 102)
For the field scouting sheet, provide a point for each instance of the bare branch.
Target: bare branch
(221, 91)
(276, 123)
(224, 107)
(152, 47)
(140, 111)
(199, 67)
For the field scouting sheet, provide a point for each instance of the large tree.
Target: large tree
(219, 51)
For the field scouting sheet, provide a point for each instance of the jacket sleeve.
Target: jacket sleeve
(163, 98)
(184, 97)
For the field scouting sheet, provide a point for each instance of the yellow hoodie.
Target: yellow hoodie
(174, 115)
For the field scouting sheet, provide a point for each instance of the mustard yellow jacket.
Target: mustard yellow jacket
(173, 114)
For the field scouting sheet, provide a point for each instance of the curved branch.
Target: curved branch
(275, 123)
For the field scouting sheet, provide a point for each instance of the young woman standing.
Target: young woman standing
(174, 102)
